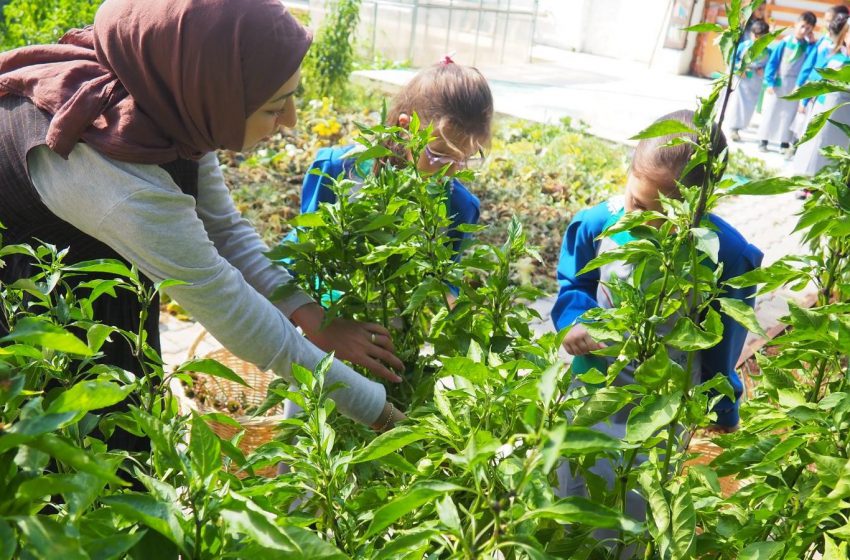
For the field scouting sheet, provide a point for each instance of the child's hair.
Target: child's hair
(809, 18)
(837, 10)
(837, 32)
(663, 164)
(759, 27)
(448, 94)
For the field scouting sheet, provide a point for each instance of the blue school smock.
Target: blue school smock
(464, 207)
(817, 58)
(577, 293)
(778, 52)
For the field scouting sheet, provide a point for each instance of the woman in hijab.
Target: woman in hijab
(107, 148)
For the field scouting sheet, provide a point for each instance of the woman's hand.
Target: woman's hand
(389, 417)
(578, 342)
(365, 344)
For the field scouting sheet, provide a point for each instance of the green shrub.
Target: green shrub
(33, 22)
(331, 58)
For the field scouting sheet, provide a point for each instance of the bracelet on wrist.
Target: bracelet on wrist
(389, 419)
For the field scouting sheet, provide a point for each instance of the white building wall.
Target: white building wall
(630, 30)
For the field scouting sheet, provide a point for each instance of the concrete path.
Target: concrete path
(617, 99)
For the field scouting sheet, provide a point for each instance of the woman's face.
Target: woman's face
(278, 111)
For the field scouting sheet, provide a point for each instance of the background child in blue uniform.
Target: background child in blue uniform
(818, 57)
(780, 78)
(655, 169)
(822, 50)
(809, 158)
(457, 101)
(747, 83)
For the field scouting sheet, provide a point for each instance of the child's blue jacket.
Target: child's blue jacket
(777, 53)
(817, 58)
(577, 293)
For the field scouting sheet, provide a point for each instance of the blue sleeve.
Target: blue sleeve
(737, 257)
(314, 189)
(577, 293)
(740, 52)
(771, 69)
(808, 65)
(464, 208)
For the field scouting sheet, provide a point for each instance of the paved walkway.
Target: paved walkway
(617, 99)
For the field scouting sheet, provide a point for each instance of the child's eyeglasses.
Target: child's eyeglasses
(442, 160)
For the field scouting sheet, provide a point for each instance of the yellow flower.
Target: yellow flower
(327, 127)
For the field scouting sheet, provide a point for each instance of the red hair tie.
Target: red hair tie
(447, 60)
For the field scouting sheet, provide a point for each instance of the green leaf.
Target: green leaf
(814, 89)
(707, 242)
(89, 395)
(97, 334)
(447, 512)
(113, 547)
(378, 222)
(373, 152)
(584, 441)
(308, 220)
(388, 442)
(34, 330)
(601, 404)
(165, 284)
(466, 368)
(211, 367)
(48, 539)
(103, 266)
(204, 448)
(742, 313)
(75, 457)
(762, 551)
(773, 185)
(581, 510)
(654, 413)
(401, 505)
(658, 505)
(407, 544)
(834, 551)
(552, 441)
(8, 541)
(162, 517)
(654, 372)
(684, 523)
(243, 516)
(631, 251)
(29, 428)
(420, 295)
(704, 28)
(761, 44)
(664, 128)
(733, 15)
(685, 335)
(817, 122)
(549, 383)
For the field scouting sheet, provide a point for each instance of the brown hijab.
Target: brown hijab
(153, 80)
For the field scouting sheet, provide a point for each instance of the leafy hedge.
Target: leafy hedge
(32, 22)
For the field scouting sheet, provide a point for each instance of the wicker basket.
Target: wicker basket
(258, 430)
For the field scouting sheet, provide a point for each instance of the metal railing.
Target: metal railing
(421, 31)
